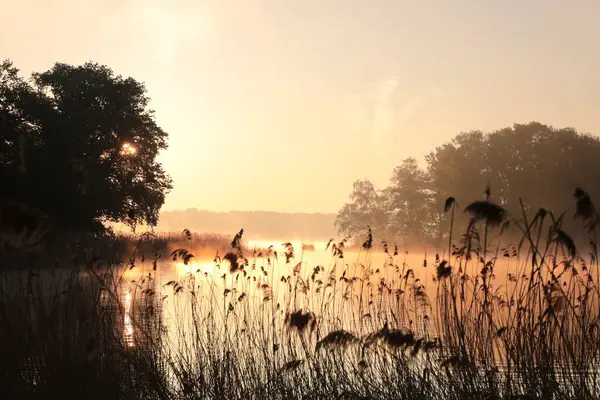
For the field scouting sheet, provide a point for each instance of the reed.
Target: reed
(482, 319)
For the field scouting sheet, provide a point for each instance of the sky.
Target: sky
(281, 104)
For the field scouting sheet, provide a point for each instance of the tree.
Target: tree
(532, 164)
(365, 209)
(80, 144)
(408, 201)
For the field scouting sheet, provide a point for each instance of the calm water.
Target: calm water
(264, 283)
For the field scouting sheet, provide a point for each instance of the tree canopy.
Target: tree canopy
(80, 144)
(533, 163)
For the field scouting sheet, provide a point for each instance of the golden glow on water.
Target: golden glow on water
(265, 278)
(278, 245)
(209, 268)
(128, 325)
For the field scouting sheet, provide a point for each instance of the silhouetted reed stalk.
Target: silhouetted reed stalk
(273, 327)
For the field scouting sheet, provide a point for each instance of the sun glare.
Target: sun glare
(128, 149)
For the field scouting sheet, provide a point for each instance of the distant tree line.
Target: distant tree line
(258, 225)
(80, 144)
(527, 166)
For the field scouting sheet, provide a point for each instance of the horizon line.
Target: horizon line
(246, 211)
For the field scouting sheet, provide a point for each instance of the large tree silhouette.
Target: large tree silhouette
(80, 144)
(533, 163)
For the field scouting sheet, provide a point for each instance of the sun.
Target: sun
(128, 149)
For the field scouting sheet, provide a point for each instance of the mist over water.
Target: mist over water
(383, 278)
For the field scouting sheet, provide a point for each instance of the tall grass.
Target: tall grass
(486, 319)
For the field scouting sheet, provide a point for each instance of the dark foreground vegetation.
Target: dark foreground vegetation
(506, 320)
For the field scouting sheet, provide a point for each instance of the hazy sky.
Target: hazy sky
(281, 104)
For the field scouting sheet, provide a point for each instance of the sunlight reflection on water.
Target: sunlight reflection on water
(128, 325)
(216, 288)
(262, 278)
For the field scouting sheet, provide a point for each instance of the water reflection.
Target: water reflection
(208, 268)
(205, 290)
(128, 325)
